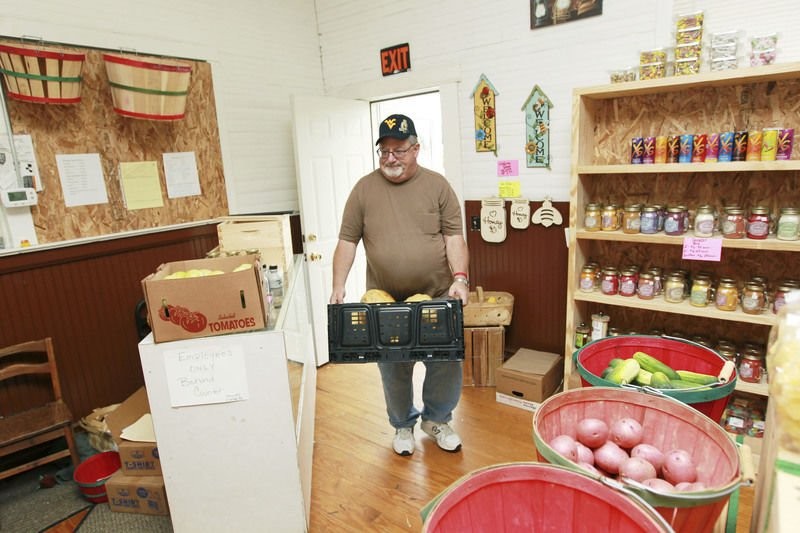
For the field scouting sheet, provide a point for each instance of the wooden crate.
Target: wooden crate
(483, 353)
(271, 235)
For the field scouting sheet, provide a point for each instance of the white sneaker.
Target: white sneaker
(403, 442)
(446, 437)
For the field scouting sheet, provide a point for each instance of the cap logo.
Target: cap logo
(404, 126)
(391, 122)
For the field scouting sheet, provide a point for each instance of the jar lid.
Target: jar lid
(593, 205)
(633, 208)
(611, 207)
(760, 210)
(754, 286)
(629, 272)
(734, 210)
(752, 356)
(646, 275)
(702, 281)
(674, 210)
(650, 209)
(609, 270)
(789, 210)
(705, 209)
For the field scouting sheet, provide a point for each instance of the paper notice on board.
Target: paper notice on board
(140, 186)
(82, 180)
(28, 167)
(180, 169)
(212, 374)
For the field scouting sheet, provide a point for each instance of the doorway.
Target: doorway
(425, 110)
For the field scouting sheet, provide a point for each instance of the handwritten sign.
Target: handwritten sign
(507, 168)
(509, 189)
(213, 374)
(698, 249)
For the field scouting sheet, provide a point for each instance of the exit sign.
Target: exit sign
(395, 59)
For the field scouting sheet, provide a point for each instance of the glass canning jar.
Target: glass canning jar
(701, 292)
(704, 221)
(789, 224)
(757, 226)
(592, 217)
(631, 219)
(754, 298)
(610, 219)
(674, 288)
(727, 295)
(733, 224)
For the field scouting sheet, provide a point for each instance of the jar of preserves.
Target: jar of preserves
(704, 221)
(701, 292)
(586, 282)
(674, 288)
(733, 225)
(627, 282)
(658, 279)
(609, 281)
(757, 226)
(673, 221)
(662, 214)
(728, 351)
(779, 298)
(753, 299)
(592, 217)
(750, 366)
(595, 266)
(631, 219)
(582, 335)
(727, 295)
(610, 220)
(646, 288)
(789, 224)
(648, 220)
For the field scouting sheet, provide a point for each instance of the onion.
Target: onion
(637, 469)
(626, 432)
(592, 432)
(658, 484)
(650, 453)
(609, 457)
(678, 466)
(585, 454)
(565, 446)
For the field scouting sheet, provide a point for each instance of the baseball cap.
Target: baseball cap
(396, 126)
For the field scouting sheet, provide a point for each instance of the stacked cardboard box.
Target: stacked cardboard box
(528, 378)
(138, 487)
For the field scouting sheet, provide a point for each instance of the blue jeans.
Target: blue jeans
(441, 391)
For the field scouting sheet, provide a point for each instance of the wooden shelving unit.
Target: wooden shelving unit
(604, 120)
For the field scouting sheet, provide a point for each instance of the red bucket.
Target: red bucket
(92, 474)
(530, 496)
(679, 354)
(667, 424)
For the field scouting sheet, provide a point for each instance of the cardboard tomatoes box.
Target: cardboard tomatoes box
(222, 301)
(530, 375)
(138, 458)
(137, 494)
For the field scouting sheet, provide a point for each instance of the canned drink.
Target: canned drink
(637, 150)
(699, 148)
(649, 153)
(783, 150)
(754, 142)
(686, 145)
(661, 149)
(769, 144)
(739, 146)
(712, 148)
(673, 148)
(726, 139)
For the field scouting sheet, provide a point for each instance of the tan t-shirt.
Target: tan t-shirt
(402, 226)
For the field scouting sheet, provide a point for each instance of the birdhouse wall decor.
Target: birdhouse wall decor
(485, 123)
(537, 128)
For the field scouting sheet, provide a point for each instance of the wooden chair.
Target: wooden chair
(32, 411)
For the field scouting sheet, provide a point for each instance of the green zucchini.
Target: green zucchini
(696, 377)
(651, 364)
(625, 372)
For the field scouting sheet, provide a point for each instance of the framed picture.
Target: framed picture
(550, 12)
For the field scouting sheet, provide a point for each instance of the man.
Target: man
(409, 219)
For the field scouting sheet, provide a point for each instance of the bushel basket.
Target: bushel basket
(679, 354)
(41, 74)
(668, 424)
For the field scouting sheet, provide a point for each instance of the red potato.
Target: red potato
(585, 454)
(637, 469)
(626, 432)
(609, 457)
(591, 469)
(678, 467)
(565, 446)
(649, 453)
(659, 485)
(592, 432)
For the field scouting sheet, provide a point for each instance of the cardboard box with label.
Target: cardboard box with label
(227, 299)
(137, 494)
(530, 375)
(138, 457)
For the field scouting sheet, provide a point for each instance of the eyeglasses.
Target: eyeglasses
(398, 154)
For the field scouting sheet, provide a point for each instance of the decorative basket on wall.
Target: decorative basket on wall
(41, 74)
(150, 88)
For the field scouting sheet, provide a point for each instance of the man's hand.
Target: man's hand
(337, 296)
(460, 291)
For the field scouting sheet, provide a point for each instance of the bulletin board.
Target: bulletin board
(93, 127)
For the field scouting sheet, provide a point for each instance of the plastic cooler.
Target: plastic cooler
(679, 354)
(668, 424)
(530, 496)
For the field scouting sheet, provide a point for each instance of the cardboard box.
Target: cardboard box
(513, 401)
(484, 349)
(530, 375)
(232, 302)
(137, 494)
(271, 235)
(138, 458)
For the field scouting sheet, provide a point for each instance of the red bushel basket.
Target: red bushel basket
(92, 474)
(536, 497)
(679, 354)
(668, 424)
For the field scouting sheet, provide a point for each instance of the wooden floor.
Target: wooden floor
(359, 484)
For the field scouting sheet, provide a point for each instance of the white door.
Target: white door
(333, 140)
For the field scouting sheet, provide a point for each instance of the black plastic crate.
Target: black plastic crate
(432, 330)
